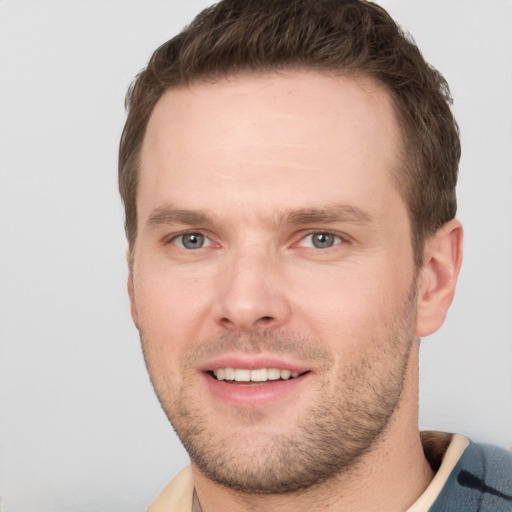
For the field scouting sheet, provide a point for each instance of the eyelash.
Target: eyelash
(178, 236)
(338, 239)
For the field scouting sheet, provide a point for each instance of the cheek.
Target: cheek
(170, 308)
(352, 304)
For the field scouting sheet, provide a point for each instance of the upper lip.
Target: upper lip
(252, 362)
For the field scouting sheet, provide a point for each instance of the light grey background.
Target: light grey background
(80, 429)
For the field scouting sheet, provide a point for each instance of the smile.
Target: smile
(256, 375)
(251, 383)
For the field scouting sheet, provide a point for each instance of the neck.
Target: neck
(390, 477)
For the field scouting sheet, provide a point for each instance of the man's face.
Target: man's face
(273, 246)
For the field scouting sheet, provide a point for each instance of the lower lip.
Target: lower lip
(252, 394)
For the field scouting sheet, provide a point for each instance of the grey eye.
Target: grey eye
(323, 240)
(192, 240)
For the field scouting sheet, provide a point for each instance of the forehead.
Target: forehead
(282, 135)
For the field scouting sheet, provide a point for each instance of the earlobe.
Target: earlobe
(438, 277)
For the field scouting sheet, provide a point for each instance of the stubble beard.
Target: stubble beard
(346, 422)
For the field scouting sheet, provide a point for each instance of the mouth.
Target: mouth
(257, 375)
(249, 381)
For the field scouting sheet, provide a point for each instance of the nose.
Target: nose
(252, 295)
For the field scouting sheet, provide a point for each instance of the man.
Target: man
(288, 170)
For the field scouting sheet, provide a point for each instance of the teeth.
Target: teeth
(273, 374)
(242, 375)
(258, 375)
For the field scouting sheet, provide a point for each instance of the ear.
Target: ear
(131, 289)
(438, 277)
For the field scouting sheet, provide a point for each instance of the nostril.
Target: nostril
(226, 322)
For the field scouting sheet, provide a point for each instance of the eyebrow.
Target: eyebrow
(334, 213)
(169, 215)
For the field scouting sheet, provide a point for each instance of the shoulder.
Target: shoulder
(490, 465)
(481, 480)
(177, 495)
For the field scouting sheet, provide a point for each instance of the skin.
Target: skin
(266, 161)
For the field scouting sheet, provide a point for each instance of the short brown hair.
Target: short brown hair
(343, 36)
